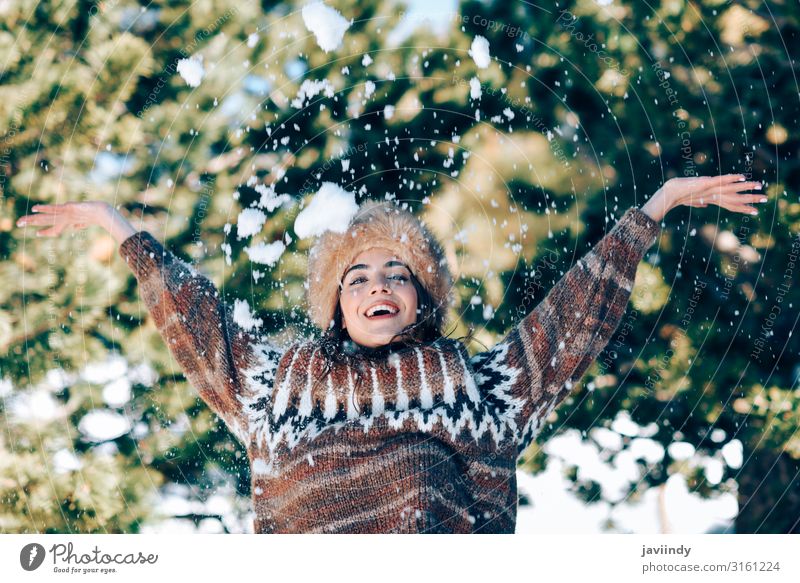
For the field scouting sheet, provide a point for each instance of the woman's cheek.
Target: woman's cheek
(349, 307)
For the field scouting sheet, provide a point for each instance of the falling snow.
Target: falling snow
(249, 222)
(311, 88)
(266, 253)
(326, 24)
(191, 70)
(475, 88)
(243, 316)
(330, 209)
(480, 52)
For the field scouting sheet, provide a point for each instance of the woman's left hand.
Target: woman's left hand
(700, 191)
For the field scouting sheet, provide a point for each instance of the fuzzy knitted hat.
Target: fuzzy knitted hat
(376, 224)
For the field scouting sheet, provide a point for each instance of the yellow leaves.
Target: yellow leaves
(738, 22)
(103, 249)
(763, 401)
(653, 148)
(10, 50)
(777, 134)
(612, 82)
(729, 243)
(792, 447)
(5, 328)
(408, 106)
(673, 7)
(650, 293)
(116, 65)
(762, 241)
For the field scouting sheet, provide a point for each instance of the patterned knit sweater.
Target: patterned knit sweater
(425, 440)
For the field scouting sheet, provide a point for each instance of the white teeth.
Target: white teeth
(373, 309)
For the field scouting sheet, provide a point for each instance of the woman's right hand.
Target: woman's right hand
(701, 191)
(78, 215)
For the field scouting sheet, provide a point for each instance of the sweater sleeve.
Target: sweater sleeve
(530, 371)
(229, 367)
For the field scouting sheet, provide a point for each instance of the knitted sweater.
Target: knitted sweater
(425, 440)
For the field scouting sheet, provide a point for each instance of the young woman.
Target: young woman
(382, 424)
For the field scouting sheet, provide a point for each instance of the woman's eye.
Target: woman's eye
(358, 279)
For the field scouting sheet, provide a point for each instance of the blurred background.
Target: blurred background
(520, 132)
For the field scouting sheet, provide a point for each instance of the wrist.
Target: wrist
(117, 226)
(657, 207)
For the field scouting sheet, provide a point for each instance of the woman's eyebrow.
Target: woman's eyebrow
(390, 263)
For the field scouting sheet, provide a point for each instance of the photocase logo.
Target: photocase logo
(31, 556)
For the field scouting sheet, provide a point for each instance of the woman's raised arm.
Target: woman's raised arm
(230, 368)
(540, 360)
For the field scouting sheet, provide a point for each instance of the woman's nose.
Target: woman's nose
(380, 284)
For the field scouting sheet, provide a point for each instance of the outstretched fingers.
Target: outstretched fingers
(739, 202)
(55, 217)
(740, 186)
(53, 231)
(727, 193)
(38, 219)
(723, 179)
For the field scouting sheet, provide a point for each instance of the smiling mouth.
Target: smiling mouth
(383, 313)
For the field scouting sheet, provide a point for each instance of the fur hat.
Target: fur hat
(376, 224)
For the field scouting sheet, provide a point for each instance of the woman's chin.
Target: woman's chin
(378, 336)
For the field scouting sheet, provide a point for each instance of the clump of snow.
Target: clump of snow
(143, 374)
(624, 425)
(38, 405)
(226, 249)
(326, 24)
(330, 209)
(267, 254)
(388, 111)
(311, 88)
(369, 89)
(366, 61)
(519, 47)
(65, 461)
(192, 70)
(269, 199)
(252, 40)
(101, 425)
(475, 88)
(243, 316)
(480, 52)
(249, 222)
(117, 392)
(104, 371)
(732, 453)
(681, 450)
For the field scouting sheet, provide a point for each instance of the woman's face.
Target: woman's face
(377, 277)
